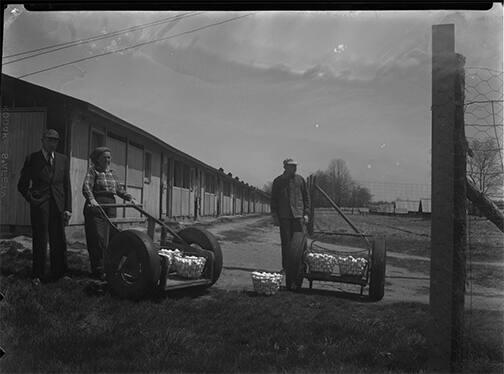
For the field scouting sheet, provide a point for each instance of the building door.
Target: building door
(21, 134)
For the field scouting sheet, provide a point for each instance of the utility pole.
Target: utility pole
(448, 225)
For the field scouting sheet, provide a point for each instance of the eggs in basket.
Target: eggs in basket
(170, 254)
(321, 262)
(266, 283)
(190, 267)
(350, 265)
(333, 264)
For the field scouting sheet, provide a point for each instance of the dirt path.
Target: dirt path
(253, 244)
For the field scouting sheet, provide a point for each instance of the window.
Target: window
(97, 139)
(210, 183)
(187, 176)
(148, 167)
(238, 192)
(118, 152)
(182, 174)
(227, 189)
(135, 165)
(193, 177)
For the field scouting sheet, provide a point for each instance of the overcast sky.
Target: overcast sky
(245, 94)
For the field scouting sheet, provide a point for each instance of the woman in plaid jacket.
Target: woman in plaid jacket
(99, 187)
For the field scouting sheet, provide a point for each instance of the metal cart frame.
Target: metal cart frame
(190, 241)
(373, 275)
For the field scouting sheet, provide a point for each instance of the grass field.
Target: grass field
(411, 236)
(65, 327)
(58, 328)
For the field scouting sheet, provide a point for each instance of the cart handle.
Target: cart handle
(333, 204)
(137, 207)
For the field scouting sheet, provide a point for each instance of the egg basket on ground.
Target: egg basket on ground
(136, 267)
(266, 283)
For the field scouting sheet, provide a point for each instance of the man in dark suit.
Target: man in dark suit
(45, 184)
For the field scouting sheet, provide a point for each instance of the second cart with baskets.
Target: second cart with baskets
(315, 260)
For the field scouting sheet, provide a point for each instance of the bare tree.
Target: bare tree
(485, 168)
(339, 185)
(341, 181)
(360, 196)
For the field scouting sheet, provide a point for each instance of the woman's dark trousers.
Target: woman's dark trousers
(98, 232)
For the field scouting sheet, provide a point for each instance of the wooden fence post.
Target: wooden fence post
(448, 225)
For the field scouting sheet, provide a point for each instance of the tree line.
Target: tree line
(337, 182)
(485, 169)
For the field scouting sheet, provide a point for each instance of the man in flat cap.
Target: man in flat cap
(45, 184)
(290, 205)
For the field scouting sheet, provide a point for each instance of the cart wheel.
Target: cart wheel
(377, 275)
(294, 271)
(132, 265)
(205, 240)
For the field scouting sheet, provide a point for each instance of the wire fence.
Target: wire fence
(483, 116)
(393, 190)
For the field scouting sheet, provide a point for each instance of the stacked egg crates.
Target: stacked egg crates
(266, 283)
(190, 267)
(333, 264)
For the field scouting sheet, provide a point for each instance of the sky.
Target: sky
(244, 94)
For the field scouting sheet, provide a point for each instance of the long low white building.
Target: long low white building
(168, 182)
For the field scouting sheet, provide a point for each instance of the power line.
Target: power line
(60, 46)
(135, 46)
(80, 40)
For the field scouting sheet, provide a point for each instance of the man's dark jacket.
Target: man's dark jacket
(289, 197)
(45, 182)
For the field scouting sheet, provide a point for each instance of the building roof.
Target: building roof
(86, 106)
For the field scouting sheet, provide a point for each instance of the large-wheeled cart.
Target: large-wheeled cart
(364, 267)
(135, 266)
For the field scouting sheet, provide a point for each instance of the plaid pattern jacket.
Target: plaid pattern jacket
(102, 182)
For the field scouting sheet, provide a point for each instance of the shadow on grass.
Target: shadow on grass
(336, 294)
(353, 296)
(215, 330)
(182, 293)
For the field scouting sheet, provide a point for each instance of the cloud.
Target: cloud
(192, 60)
(410, 62)
(263, 82)
(318, 72)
